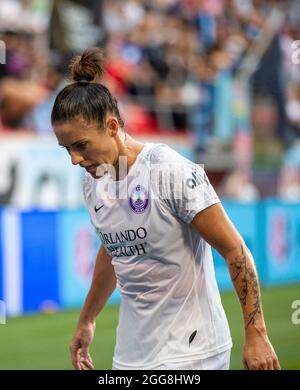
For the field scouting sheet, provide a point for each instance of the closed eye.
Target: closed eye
(80, 146)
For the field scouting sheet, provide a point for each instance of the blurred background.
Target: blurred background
(219, 81)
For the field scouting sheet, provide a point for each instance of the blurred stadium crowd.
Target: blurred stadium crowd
(220, 70)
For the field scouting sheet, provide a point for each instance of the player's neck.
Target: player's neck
(130, 150)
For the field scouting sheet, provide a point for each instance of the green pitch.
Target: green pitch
(41, 341)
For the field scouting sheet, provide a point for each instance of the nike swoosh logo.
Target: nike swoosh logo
(98, 208)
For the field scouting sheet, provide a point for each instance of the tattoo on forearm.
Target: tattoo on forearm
(249, 285)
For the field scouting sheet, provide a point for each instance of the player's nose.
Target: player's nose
(76, 158)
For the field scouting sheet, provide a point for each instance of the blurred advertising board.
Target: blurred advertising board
(245, 216)
(78, 247)
(39, 260)
(36, 172)
(28, 261)
(282, 244)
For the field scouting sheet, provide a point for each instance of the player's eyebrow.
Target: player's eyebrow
(74, 143)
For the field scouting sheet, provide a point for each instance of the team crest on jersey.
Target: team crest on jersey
(139, 199)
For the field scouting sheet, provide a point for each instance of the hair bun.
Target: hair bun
(88, 66)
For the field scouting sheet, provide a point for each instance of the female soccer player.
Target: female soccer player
(157, 216)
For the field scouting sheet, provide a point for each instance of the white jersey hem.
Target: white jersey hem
(117, 365)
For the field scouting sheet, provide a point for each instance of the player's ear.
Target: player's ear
(112, 126)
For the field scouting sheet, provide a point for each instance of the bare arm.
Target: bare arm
(103, 285)
(216, 228)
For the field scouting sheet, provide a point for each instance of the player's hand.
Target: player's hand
(79, 347)
(259, 353)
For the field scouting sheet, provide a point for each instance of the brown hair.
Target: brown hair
(85, 96)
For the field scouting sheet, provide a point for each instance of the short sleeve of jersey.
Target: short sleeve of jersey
(181, 184)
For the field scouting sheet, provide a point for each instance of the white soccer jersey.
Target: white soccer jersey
(170, 309)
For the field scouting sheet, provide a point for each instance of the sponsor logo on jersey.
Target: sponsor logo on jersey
(125, 243)
(98, 208)
(139, 199)
(197, 179)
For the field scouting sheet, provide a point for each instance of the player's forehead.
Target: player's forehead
(76, 124)
(74, 130)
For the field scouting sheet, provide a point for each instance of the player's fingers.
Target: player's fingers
(245, 364)
(81, 360)
(83, 367)
(74, 357)
(87, 363)
(254, 364)
(85, 358)
(264, 365)
(270, 364)
(276, 364)
(89, 358)
(78, 360)
(91, 362)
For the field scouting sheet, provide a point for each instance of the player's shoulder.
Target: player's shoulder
(163, 154)
(166, 158)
